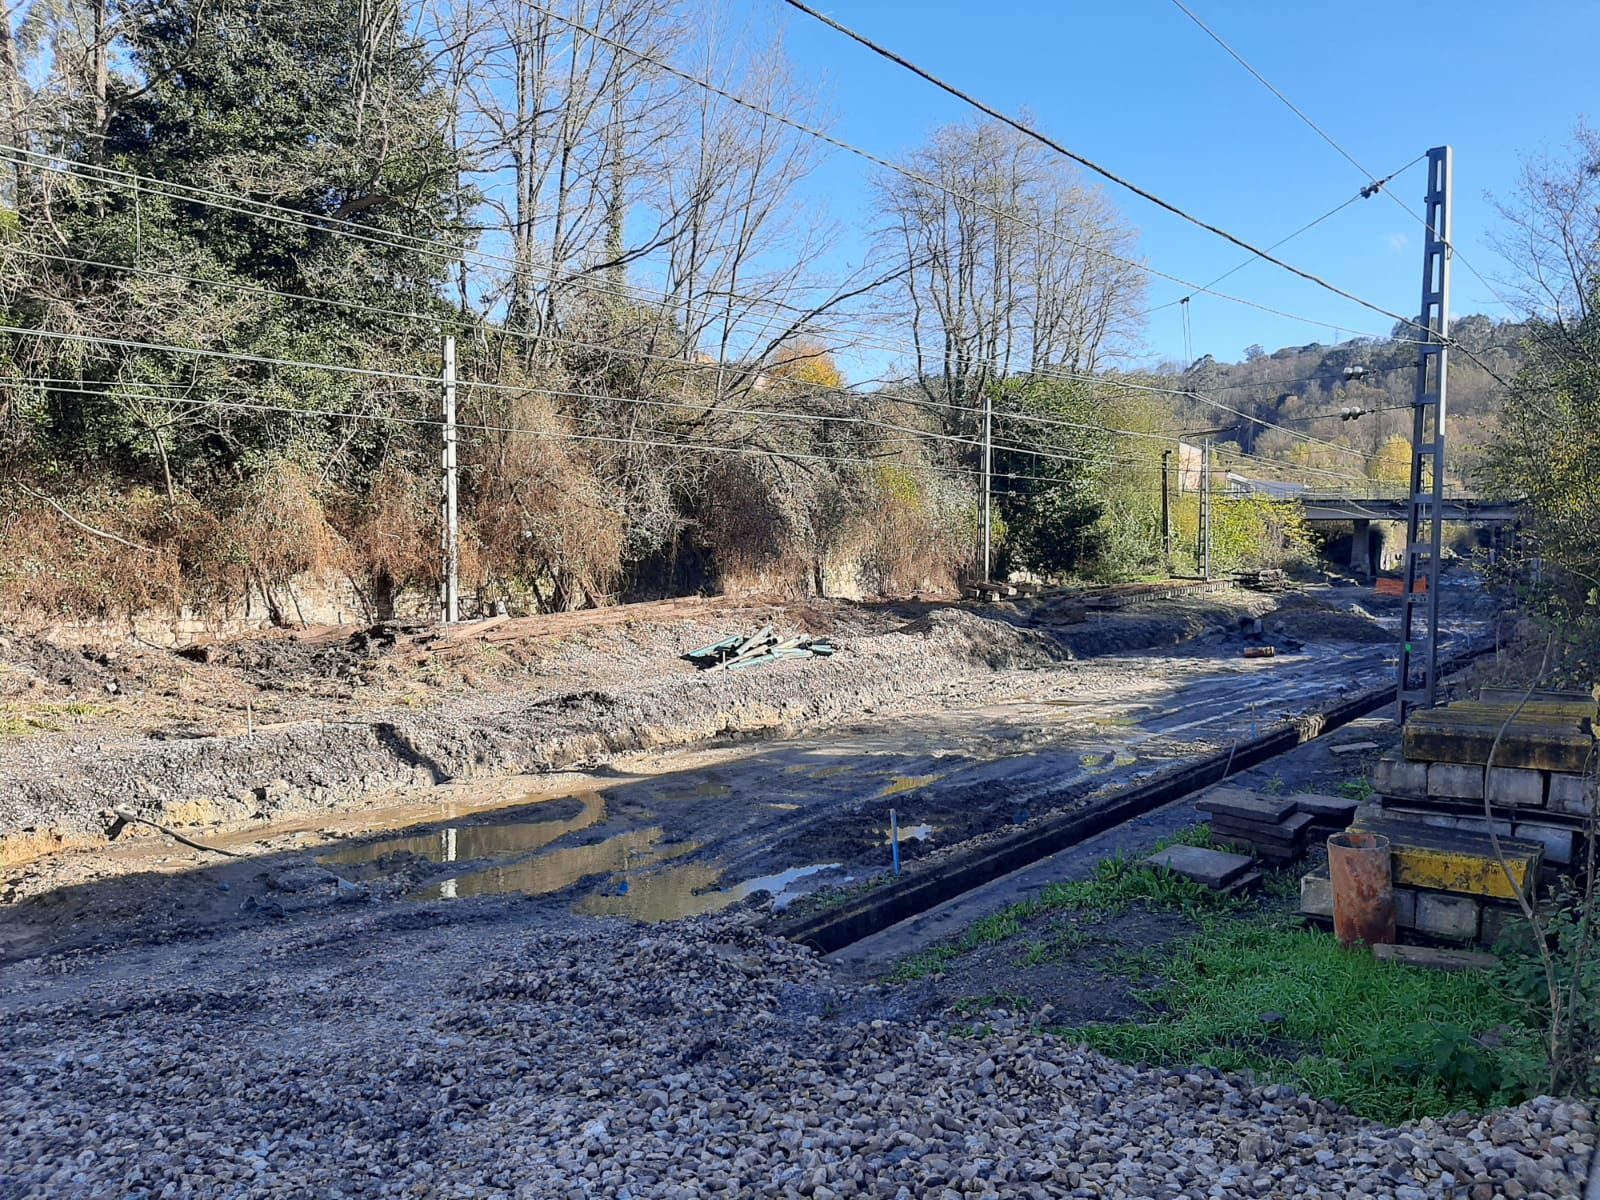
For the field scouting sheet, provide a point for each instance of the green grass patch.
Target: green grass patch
(44, 718)
(1118, 883)
(1387, 1041)
(1359, 789)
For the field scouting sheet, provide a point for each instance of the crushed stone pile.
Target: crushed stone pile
(460, 1053)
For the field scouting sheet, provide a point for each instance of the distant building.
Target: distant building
(1190, 465)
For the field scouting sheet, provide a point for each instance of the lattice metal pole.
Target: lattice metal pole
(1419, 638)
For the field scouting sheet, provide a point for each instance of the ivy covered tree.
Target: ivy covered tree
(1050, 500)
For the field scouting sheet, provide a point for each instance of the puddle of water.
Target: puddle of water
(911, 833)
(687, 891)
(1099, 762)
(900, 784)
(466, 842)
(782, 805)
(559, 869)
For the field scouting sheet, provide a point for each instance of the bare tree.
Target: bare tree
(1009, 262)
(1553, 233)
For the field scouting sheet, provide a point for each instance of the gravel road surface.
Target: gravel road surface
(471, 1050)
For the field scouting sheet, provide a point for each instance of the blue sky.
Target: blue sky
(1135, 85)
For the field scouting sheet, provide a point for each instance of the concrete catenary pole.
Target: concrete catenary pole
(1205, 509)
(1166, 510)
(450, 531)
(988, 448)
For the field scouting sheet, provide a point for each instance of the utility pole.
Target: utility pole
(1205, 510)
(1419, 641)
(988, 447)
(450, 533)
(1166, 510)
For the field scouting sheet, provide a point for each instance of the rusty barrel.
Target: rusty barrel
(1363, 889)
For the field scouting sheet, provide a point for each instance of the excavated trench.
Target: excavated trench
(687, 832)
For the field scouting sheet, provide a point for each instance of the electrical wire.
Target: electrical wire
(1374, 184)
(305, 220)
(1053, 373)
(907, 172)
(1363, 194)
(702, 447)
(1090, 164)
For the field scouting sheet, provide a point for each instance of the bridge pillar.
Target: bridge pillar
(1361, 549)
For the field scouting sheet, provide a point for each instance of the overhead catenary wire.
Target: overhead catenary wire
(621, 440)
(368, 372)
(339, 368)
(1048, 372)
(1374, 184)
(310, 221)
(1089, 164)
(1363, 194)
(907, 172)
(1052, 454)
(319, 222)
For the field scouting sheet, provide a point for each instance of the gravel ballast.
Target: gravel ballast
(480, 1049)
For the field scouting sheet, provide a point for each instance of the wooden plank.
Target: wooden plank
(1577, 712)
(1325, 809)
(1444, 860)
(1501, 714)
(466, 630)
(1291, 835)
(1513, 696)
(1436, 960)
(1246, 806)
(1548, 748)
(1213, 868)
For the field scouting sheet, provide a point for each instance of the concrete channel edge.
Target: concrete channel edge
(835, 928)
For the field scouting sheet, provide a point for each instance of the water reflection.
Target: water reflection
(559, 869)
(542, 824)
(688, 891)
(910, 833)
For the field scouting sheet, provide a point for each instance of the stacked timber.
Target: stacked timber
(738, 652)
(989, 589)
(1539, 789)
(1272, 828)
(1453, 880)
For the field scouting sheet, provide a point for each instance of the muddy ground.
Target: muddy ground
(1093, 966)
(954, 724)
(269, 729)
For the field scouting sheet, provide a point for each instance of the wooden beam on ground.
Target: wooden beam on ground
(1436, 960)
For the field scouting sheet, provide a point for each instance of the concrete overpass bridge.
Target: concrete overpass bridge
(1335, 507)
(1369, 547)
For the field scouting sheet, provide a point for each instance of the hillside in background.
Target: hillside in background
(1303, 389)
